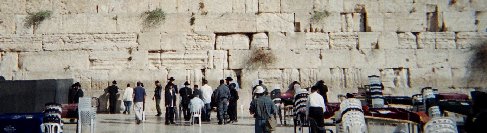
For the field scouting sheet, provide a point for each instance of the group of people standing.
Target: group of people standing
(203, 99)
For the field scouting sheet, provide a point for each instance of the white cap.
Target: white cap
(259, 89)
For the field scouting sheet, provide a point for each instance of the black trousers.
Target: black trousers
(232, 110)
(113, 104)
(169, 114)
(186, 112)
(316, 113)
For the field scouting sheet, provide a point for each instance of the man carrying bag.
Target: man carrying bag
(263, 109)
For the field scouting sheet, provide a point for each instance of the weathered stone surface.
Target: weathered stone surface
(470, 39)
(218, 6)
(336, 58)
(329, 5)
(367, 58)
(432, 58)
(21, 27)
(406, 59)
(368, 40)
(388, 40)
(438, 40)
(251, 6)
(239, 59)
(232, 41)
(13, 6)
(459, 21)
(293, 6)
(174, 22)
(273, 6)
(259, 40)
(442, 77)
(139, 60)
(233, 22)
(33, 75)
(268, 22)
(407, 41)
(213, 76)
(391, 22)
(422, 77)
(217, 59)
(101, 24)
(460, 58)
(344, 40)
(395, 78)
(94, 42)
(479, 5)
(328, 23)
(198, 41)
(289, 76)
(8, 65)
(184, 59)
(291, 40)
(43, 61)
(74, 23)
(145, 76)
(395, 5)
(308, 77)
(7, 24)
(14, 42)
(129, 23)
(271, 78)
(482, 19)
(317, 41)
(109, 60)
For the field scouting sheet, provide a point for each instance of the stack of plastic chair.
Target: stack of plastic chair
(86, 114)
(430, 102)
(353, 118)
(377, 97)
(441, 125)
(418, 102)
(52, 118)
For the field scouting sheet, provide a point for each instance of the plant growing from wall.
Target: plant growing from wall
(154, 17)
(318, 16)
(34, 19)
(261, 58)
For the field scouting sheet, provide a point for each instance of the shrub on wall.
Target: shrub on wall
(318, 16)
(261, 58)
(34, 19)
(153, 18)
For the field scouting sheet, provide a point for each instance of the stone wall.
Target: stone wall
(410, 43)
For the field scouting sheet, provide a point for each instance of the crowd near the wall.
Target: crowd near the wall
(202, 100)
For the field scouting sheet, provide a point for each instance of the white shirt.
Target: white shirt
(316, 100)
(206, 92)
(127, 95)
(196, 104)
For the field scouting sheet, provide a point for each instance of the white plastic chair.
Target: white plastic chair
(86, 114)
(196, 113)
(51, 128)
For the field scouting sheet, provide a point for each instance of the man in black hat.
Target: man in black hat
(79, 92)
(113, 91)
(157, 97)
(170, 85)
(186, 95)
(232, 101)
(170, 101)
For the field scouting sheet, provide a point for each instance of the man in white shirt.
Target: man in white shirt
(206, 91)
(316, 108)
(128, 98)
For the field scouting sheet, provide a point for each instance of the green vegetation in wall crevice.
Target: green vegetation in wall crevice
(318, 16)
(153, 18)
(34, 19)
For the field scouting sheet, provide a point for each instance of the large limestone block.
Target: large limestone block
(169, 6)
(407, 40)
(109, 60)
(229, 22)
(466, 40)
(395, 5)
(155, 61)
(8, 65)
(184, 59)
(375, 22)
(251, 6)
(443, 77)
(259, 40)
(213, 76)
(354, 78)
(44, 61)
(74, 23)
(139, 59)
(458, 5)
(76, 7)
(460, 77)
(293, 40)
(436, 40)
(232, 41)
(272, 78)
(368, 40)
(479, 5)
(482, 21)
(155, 41)
(149, 40)
(402, 58)
(270, 22)
(218, 6)
(13, 6)
(308, 77)
(395, 78)
(432, 58)
(52, 25)
(239, 59)
(400, 21)
(22, 43)
(353, 5)
(181, 75)
(344, 40)
(327, 23)
(128, 23)
(198, 41)
(238, 6)
(459, 21)
(422, 77)
(293, 6)
(336, 58)
(367, 58)
(7, 24)
(338, 79)
(302, 22)
(317, 41)
(217, 59)
(174, 22)
(93, 42)
(460, 58)
(36, 75)
(388, 40)
(272, 6)
(289, 76)
(329, 5)
(101, 24)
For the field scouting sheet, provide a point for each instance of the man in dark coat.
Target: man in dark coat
(222, 94)
(113, 91)
(170, 102)
(197, 91)
(232, 102)
(79, 92)
(322, 89)
(157, 97)
(170, 84)
(186, 94)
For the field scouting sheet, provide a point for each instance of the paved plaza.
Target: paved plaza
(120, 123)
